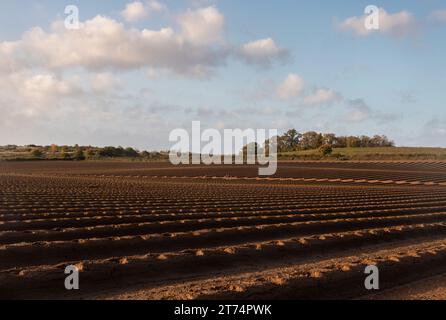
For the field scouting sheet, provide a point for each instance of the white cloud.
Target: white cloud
(439, 15)
(104, 44)
(360, 111)
(291, 87)
(112, 46)
(155, 6)
(53, 108)
(138, 10)
(322, 96)
(32, 93)
(8, 61)
(396, 24)
(57, 80)
(262, 51)
(135, 11)
(47, 84)
(202, 26)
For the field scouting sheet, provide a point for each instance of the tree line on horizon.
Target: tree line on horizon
(80, 153)
(292, 140)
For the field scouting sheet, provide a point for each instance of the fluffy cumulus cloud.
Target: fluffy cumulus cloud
(8, 59)
(294, 87)
(203, 26)
(155, 6)
(57, 80)
(262, 52)
(395, 24)
(291, 87)
(138, 10)
(66, 83)
(195, 48)
(44, 107)
(36, 92)
(112, 46)
(135, 11)
(322, 96)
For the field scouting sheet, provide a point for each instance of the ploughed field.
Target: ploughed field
(155, 231)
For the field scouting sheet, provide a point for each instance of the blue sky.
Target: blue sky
(120, 80)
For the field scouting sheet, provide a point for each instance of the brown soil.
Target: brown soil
(154, 231)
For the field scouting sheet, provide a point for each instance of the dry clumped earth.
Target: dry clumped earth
(155, 231)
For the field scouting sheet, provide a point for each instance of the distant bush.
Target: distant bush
(341, 157)
(79, 155)
(37, 154)
(145, 154)
(112, 152)
(130, 152)
(326, 150)
(66, 155)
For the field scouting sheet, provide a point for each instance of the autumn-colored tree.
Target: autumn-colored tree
(54, 149)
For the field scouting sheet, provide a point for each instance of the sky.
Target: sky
(135, 70)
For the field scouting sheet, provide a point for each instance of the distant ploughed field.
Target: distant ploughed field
(154, 231)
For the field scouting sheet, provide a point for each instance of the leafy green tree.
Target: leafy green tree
(311, 140)
(291, 139)
(132, 153)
